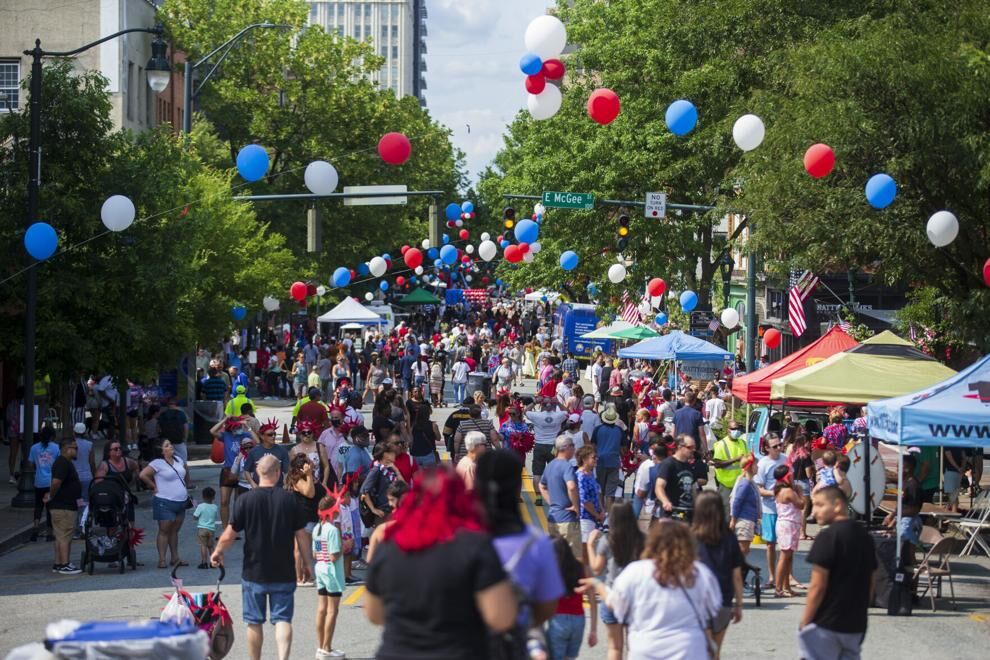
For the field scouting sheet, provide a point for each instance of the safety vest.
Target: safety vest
(728, 449)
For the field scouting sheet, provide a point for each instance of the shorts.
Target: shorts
(951, 482)
(165, 510)
(587, 527)
(564, 633)
(571, 531)
(815, 643)
(721, 620)
(205, 537)
(426, 460)
(63, 524)
(332, 594)
(608, 480)
(542, 454)
(257, 598)
(911, 529)
(326, 580)
(606, 615)
(768, 528)
(745, 530)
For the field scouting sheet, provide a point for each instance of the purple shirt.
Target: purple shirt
(536, 572)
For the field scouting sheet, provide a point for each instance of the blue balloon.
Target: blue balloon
(383, 285)
(437, 264)
(681, 117)
(499, 282)
(569, 260)
(445, 238)
(238, 312)
(363, 269)
(433, 253)
(387, 257)
(881, 190)
(530, 64)
(40, 240)
(661, 318)
(503, 243)
(341, 277)
(467, 207)
(592, 289)
(413, 279)
(448, 254)
(453, 211)
(527, 231)
(252, 162)
(689, 300)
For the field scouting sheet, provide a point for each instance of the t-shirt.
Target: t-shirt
(716, 410)
(43, 457)
(327, 542)
(482, 426)
(232, 446)
(929, 455)
(268, 518)
(845, 549)
(764, 479)
(206, 514)
(429, 597)
(259, 452)
(687, 420)
(607, 438)
(679, 478)
(546, 425)
(70, 490)
(555, 477)
(214, 388)
(170, 479)
(171, 425)
(722, 558)
(309, 506)
(590, 421)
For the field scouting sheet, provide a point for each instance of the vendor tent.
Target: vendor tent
(419, 297)
(754, 388)
(882, 366)
(607, 332)
(636, 332)
(350, 311)
(675, 346)
(955, 412)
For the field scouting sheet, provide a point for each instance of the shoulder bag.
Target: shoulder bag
(706, 628)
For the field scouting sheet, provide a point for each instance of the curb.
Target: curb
(17, 539)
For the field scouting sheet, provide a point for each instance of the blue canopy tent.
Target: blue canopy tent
(953, 413)
(675, 346)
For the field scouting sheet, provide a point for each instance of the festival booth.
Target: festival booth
(608, 331)
(419, 297)
(952, 413)
(350, 311)
(691, 355)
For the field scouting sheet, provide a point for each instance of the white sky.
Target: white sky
(473, 75)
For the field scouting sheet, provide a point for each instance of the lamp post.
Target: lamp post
(189, 93)
(158, 70)
(726, 265)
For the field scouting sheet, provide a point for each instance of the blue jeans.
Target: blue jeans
(258, 597)
(637, 505)
(425, 461)
(564, 634)
(459, 390)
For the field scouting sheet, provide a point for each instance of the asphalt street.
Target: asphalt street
(31, 596)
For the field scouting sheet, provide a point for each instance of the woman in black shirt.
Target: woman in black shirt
(307, 492)
(719, 551)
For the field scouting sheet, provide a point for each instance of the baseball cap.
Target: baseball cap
(588, 402)
(241, 389)
(574, 418)
(386, 381)
(79, 428)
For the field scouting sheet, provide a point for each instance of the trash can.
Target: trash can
(205, 416)
(479, 380)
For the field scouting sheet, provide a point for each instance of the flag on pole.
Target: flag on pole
(714, 325)
(844, 325)
(801, 287)
(628, 311)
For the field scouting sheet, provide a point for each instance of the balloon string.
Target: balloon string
(185, 205)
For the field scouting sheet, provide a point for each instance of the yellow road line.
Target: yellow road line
(541, 514)
(524, 509)
(355, 596)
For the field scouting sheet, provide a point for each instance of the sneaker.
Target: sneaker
(204, 565)
(69, 569)
(359, 565)
(320, 653)
(55, 568)
(353, 580)
(538, 501)
(334, 653)
(12, 481)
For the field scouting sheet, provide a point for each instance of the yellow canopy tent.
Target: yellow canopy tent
(881, 367)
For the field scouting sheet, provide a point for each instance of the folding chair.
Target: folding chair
(933, 568)
(975, 523)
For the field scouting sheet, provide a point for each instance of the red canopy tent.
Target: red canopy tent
(754, 388)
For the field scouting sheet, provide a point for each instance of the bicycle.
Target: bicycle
(755, 581)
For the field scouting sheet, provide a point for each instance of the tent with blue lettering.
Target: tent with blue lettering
(955, 412)
(675, 346)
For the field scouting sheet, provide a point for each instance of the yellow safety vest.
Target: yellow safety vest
(728, 449)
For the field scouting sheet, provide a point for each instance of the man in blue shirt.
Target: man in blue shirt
(607, 439)
(559, 489)
(688, 420)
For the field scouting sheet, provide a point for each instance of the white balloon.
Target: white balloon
(458, 223)
(730, 317)
(943, 227)
(748, 132)
(487, 250)
(535, 247)
(321, 290)
(645, 307)
(545, 104)
(321, 177)
(546, 36)
(539, 209)
(419, 270)
(485, 236)
(616, 273)
(528, 257)
(369, 296)
(469, 249)
(377, 266)
(270, 303)
(426, 244)
(117, 213)
(467, 278)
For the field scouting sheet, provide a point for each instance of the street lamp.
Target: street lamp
(190, 93)
(158, 75)
(726, 265)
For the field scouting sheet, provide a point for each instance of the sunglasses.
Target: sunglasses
(272, 433)
(774, 446)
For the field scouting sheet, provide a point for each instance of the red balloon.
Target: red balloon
(303, 302)
(394, 148)
(404, 249)
(451, 224)
(298, 291)
(524, 247)
(413, 257)
(603, 106)
(463, 234)
(466, 259)
(656, 287)
(400, 280)
(819, 160)
(772, 338)
(485, 280)
(553, 69)
(353, 274)
(986, 272)
(512, 254)
(536, 83)
(310, 289)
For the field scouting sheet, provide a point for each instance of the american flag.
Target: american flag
(801, 287)
(628, 311)
(912, 333)
(844, 325)
(714, 325)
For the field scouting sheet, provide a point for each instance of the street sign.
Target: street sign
(374, 201)
(569, 200)
(656, 205)
(701, 324)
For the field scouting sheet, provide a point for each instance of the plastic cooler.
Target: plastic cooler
(121, 639)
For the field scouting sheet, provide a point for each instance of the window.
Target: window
(384, 32)
(395, 31)
(367, 10)
(384, 51)
(776, 303)
(395, 52)
(10, 78)
(314, 11)
(340, 31)
(357, 32)
(395, 13)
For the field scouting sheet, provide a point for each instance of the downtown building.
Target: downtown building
(397, 31)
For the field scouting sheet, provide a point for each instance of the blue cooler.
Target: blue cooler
(140, 639)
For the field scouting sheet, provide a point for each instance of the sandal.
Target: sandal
(797, 585)
(161, 564)
(807, 538)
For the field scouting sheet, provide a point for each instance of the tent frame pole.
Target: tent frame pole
(900, 490)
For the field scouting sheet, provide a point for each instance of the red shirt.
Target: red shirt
(572, 604)
(406, 466)
(550, 388)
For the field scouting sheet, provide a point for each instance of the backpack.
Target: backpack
(511, 644)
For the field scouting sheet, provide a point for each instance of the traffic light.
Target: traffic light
(623, 233)
(509, 217)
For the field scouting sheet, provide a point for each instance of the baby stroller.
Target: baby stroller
(107, 534)
(206, 611)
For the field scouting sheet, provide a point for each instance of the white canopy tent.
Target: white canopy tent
(351, 311)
